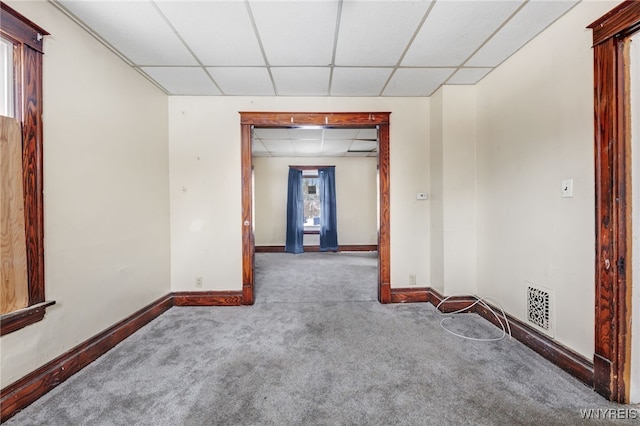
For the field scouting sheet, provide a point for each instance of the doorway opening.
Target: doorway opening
(266, 120)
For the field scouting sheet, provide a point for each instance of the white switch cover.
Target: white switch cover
(421, 196)
(567, 188)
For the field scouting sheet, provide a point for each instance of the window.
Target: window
(21, 50)
(6, 70)
(312, 206)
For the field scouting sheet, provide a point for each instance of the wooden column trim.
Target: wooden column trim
(248, 245)
(612, 351)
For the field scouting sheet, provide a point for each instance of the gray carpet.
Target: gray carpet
(338, 362)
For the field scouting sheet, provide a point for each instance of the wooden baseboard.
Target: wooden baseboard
(207, 298)
(570, 361)
(23, 392)
(315, 249)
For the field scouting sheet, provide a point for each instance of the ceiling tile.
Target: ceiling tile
(359, 81)
(335, 146)
(534, 17)
(363, 146)
(290, 81)
(308, 134)
(119, 23)
(455, 29)
(417, 81)
(469, 75)
(394, 23)
(261, 154)
(296, 33)
(183, 80)
(367, 134)
(243, 81)
(340, 133)
(307, 146)
(257, 146)
(218, 32)
(271, 133)
(278, 146)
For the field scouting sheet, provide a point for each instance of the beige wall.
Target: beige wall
(534, 129)
(356, 198)
(436, 170)
(204, 134)
(106, 194)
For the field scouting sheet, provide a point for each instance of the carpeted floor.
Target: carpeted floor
(299, 361)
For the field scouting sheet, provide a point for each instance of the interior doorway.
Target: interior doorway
(379, 120)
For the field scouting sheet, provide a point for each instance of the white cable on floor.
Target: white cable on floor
(506, 328)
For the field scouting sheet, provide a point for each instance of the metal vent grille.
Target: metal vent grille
(539, 307)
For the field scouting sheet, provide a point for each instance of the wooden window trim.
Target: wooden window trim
(28, 111)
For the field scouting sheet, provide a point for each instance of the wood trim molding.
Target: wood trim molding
(17, 25)
(570, 361)
(208, 298)
(328, 120)
(612, 144)
(16, 320)
(23, 392)
(620, 21)
(313, 249)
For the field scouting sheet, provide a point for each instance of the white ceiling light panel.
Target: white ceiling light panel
(135, 29)
(296, 32)
(243, 81)
(534, 17)
(417, 81)
(313, 81)
(394, 24)
(359, 81)
(455, 29)
(468, 75)
(219, 32)
(183, 80)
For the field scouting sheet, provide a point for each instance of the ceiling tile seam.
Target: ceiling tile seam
(406, 49)
(336, 34)
(186, 45)
(487, 40)
(106, 44)
(264, 54)
(519, 48)
(95, 35)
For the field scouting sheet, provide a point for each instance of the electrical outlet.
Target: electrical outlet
(198, 282)
(412, 279)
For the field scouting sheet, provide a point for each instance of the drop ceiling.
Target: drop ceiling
(313, 48)
(303, 142)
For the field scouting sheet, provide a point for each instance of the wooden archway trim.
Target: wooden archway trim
(334, 120)
(612, 352)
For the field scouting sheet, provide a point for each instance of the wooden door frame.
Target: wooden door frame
(612, 352)
(334, 120)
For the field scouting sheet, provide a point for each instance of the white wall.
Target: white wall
(635, 203)
(436, 169)
(356, 199)
(535, 128)
(204, 135)
(106, 204)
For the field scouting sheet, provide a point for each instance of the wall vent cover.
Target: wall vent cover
(539, 305)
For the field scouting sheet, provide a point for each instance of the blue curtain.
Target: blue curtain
(295, 213)
(328, 220)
